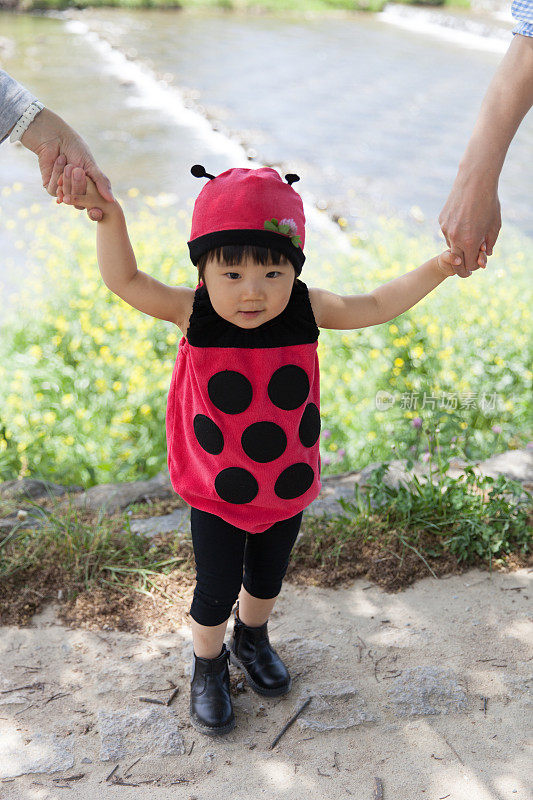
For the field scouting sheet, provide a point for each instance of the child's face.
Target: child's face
(249, 286)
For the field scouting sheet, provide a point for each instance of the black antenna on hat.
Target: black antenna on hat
(199, 172)
(292, 178)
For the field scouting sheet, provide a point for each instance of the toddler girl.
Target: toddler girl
(243, 411)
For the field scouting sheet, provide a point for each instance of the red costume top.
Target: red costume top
(243, 414)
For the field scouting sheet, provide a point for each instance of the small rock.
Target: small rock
(43, 753)
(427, 690)
(328, 708)
(128, 733)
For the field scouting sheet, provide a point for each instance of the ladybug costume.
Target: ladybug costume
(243, 410)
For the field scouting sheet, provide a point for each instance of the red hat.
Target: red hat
(249, 207)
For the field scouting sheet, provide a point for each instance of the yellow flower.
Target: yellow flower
(374, 353)
(417, 351)
(100, 384)
(145, 409)
(393, 328)
(447, 332)
(35, 351)
(463, 425)
(49, 417)
(81, 412)
(67, 400)
(398, 362)
(117, 386)
(371, 435)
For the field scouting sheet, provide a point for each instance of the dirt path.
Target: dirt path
(426, 689)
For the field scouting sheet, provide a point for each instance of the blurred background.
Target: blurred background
(373, 109)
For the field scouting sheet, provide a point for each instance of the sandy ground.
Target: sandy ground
(354, 643)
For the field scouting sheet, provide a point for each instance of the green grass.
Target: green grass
(88, 549)
(471, 516)
(478, 520)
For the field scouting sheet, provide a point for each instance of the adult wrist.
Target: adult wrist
(24, 122)
(481, 170)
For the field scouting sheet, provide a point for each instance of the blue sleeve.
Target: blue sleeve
(14, 100)
(522, 11)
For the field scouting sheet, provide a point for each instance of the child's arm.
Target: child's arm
(118, 267)
(387, 301)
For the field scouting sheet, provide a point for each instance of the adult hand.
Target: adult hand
(470, 217)
(55, 143)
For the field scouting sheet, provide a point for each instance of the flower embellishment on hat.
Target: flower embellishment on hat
(287, 227)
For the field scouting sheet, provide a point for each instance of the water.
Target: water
(372, 111)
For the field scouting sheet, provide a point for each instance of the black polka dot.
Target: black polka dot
(288, 387)
(294, 481)
(264, 441)
(208, 434)
(309, 429)
(236, 485)
(230, 391)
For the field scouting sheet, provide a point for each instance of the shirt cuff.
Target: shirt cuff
(15, 100)
(524, 29)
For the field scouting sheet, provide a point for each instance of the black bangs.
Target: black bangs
(233, 254)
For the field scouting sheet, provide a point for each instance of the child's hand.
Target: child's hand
(448, 263)
(68, 191)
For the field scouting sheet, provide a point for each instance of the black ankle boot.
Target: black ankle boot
(211, 711)
(251, 651)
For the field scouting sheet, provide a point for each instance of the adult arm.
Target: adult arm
(53, 141)
(471, 214)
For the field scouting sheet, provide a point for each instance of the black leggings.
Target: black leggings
(221, 550)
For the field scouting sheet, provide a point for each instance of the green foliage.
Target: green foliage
(84, 377)
(89, 552)
(274, 6)
(472, 516)
(459, 359)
